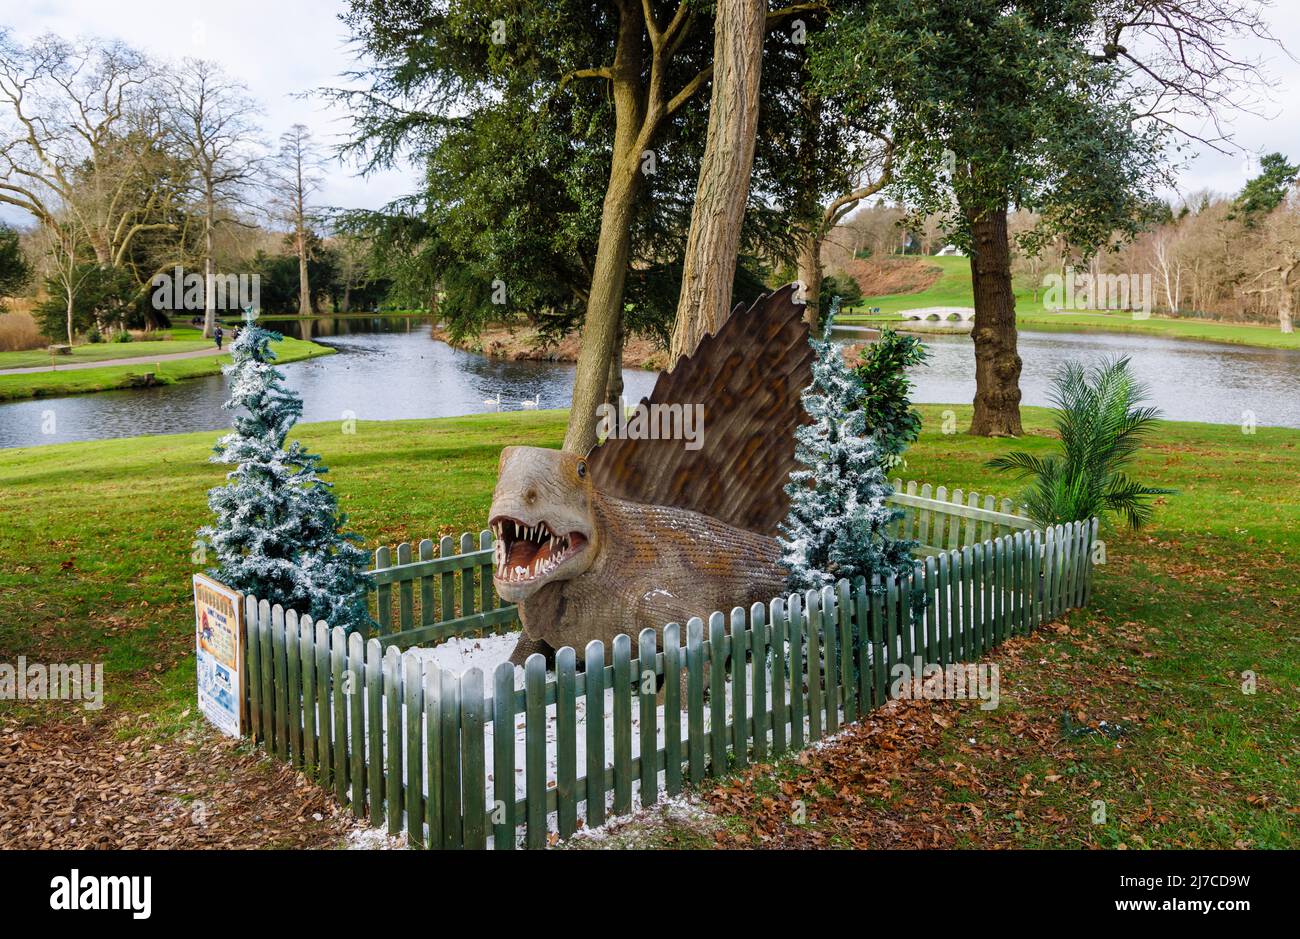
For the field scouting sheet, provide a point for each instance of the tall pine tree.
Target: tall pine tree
(838, 526)
(278, 533)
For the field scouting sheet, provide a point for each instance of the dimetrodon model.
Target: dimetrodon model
(644, 532)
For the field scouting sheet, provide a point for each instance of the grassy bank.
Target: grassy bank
(170, 341)
(953, 288)
(95, 560)
(111, 377)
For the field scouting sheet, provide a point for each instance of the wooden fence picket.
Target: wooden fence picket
(535, 748)
(566, 740)
(736, 637)
(622, 718)
(594, 695)
(695, 698)
(339, 722)
(433, 796)
(413, 794)
(758, 679)
(672, 685)
(717, 695)
(472, 759)
(648, 701)
(795, 632)
(374, 690)
(356, 697)
(503, 756)
(449, 759)
(392, 738)
(777, 645)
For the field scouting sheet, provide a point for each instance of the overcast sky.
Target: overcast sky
(281, 48)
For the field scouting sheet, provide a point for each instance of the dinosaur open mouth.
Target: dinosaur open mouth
(528, 552)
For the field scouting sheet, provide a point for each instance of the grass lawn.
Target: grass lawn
(95, 560)
(107, 378)
(953, 288)
(178, 339)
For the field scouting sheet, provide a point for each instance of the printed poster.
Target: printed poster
(218, 640)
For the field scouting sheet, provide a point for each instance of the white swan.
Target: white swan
(494, 402)
(537, 399)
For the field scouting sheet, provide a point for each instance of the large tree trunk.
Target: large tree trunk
(601, 325)
(997, 364)
(709, 267)
(70, 308)
(304, 287)
(1284, 317)
(614, 386)
(209, 274)
(614, 246)
(810, 276)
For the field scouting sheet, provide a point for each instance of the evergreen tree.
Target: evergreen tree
(838, 524)
(886, 406)
(278, 533)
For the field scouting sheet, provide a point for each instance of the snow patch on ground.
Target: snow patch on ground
(374, 839)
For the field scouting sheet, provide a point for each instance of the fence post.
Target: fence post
(739, 725)
(384, 592)
(848, 653)
(535, 747)
(758, 679)
(594, 676)
(503, 756)
(649, 707)
(717, 695)
(472, 758)
(566, 740)
(375, 730)
(413, 800)
(672, 642)
(393, 738)
(357, 714)
(253, 672)
(812, 606)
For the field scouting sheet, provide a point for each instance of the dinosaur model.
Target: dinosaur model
(644, 532)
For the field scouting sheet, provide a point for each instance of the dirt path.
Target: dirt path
(77, 366)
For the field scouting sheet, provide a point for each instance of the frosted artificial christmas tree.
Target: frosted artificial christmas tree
(278, 533)
(838, 525)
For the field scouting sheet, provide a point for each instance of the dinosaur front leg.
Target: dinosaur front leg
(528, 645)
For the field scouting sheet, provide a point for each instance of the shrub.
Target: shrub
(843, 286)
(1102, 425)
(882, 372)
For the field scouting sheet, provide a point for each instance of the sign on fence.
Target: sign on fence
(218, 640)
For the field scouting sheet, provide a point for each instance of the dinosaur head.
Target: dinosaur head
(543, 520)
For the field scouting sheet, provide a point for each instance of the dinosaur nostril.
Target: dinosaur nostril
(530, 496)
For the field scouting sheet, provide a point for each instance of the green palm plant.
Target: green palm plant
(1102, 423)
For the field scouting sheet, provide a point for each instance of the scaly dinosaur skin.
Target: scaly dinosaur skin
(641, 565)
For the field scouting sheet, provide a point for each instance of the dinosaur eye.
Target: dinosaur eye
(582, 469)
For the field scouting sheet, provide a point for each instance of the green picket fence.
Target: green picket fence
(419, 598)
(439, 755)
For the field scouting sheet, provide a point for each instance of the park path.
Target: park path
(76, 366)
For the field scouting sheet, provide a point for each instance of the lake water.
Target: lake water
(390, 369)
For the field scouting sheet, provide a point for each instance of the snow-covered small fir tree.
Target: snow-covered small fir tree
(278, 533)
(839, 522)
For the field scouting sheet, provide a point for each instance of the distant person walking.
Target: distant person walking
(218, 335)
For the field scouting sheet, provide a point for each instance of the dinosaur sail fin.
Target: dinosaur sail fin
(748, 377)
